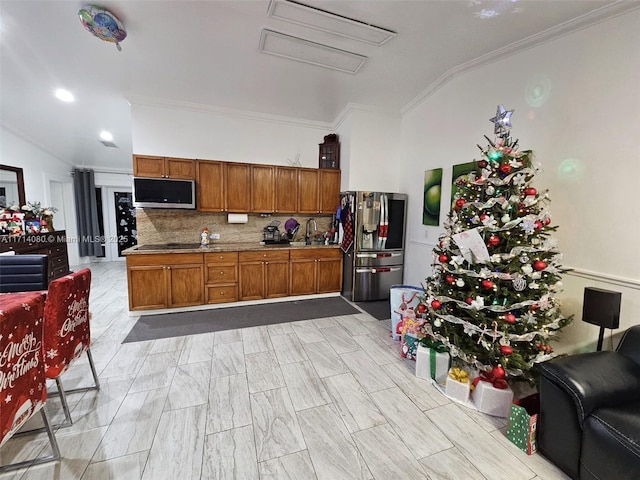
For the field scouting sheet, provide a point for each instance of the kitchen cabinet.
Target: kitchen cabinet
(164, 167)
(263, 274)
(329, 190)
(165, 280)
(286, 190)
(308, 188)
(52, 244)
(263, 188)
(315, 270)
(221, 277)
(210, 186)
(237, 187)
(329, 152)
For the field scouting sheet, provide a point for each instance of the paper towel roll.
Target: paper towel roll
(237, 218)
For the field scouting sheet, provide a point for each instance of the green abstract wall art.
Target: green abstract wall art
(432, 196)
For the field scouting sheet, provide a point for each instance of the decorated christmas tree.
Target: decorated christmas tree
(491, 297)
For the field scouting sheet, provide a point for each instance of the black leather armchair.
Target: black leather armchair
(589, 422)
(23, 273)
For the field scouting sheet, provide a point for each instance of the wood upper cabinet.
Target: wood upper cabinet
(329, 190)
(308, 190)
(164, 167)
(163, 280)
(237, 187)
(263, 188)
(210, 186)
(286, 187)
(315, 270)
(264, 274)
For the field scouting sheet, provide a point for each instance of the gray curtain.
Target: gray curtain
(84, 187)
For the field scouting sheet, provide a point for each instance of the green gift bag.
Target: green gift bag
(523, 417)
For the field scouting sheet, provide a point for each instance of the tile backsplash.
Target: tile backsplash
(157, 225)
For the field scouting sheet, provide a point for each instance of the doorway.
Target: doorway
(120, 224)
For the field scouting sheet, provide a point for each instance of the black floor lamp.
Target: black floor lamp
(602, 308)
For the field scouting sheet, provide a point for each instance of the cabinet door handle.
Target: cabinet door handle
(221, 273)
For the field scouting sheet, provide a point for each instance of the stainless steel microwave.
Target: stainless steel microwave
(164, 193)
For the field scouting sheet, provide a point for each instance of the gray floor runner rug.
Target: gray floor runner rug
(152, 327)
(380, 309)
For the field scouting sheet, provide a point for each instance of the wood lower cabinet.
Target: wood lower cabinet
(164, 167)
(315, 270)
(221, 277)
(263, 274)
(165, 280)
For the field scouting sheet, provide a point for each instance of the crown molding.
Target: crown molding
(226, 112)
(603, 277)
(594, 17)
(27, 138)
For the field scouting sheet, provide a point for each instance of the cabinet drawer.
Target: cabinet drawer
(221, 273)
(264, 256)
(221, 293)
(313, 253)
(165, 259)
(222, 257)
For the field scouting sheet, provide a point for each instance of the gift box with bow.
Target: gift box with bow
(492, 395)
(432, 361)
(458, 384)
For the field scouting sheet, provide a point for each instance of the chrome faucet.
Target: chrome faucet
(307, 235)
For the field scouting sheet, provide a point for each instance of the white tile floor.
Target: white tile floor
(317, 399)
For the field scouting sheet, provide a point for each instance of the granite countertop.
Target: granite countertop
(216, 247)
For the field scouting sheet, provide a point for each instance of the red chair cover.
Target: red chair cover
(66, 317)
(23, 389)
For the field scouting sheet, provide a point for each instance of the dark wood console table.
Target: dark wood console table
(53, 244)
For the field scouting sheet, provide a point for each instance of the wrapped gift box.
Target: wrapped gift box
(408, 346)
(457, 387)
(491, 400)
(432, 364)
(523, 418)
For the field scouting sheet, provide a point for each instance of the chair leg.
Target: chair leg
(93, 369)
(65, 406)
(55, 455)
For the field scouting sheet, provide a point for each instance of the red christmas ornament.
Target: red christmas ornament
(498, 372)
(533, 307)
(505, 168)
(506, 349)
(538, 225)
(483, 217)
(494, 241)
(539, 265)
(482, 163)
(422, 308)
(436, 304)
(530, 191)
(443, 258)
(460, 203)
(469, 300)
(488, 284)
(450, 279)
(510, 318)
(547, 221)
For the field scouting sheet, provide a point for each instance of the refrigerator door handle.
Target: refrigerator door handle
(377, 255)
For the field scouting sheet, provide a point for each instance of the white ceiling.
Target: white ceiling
(207, 53)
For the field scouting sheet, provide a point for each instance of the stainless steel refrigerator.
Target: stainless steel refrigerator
(373, 237)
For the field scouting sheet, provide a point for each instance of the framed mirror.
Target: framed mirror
(11, 186)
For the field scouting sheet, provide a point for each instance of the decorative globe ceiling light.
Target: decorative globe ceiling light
(103, 24)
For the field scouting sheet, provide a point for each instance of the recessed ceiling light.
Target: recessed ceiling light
(106, 136)
(64, 95)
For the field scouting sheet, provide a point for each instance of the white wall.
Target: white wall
(369, 145)
(225, 135)
(577, 105)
